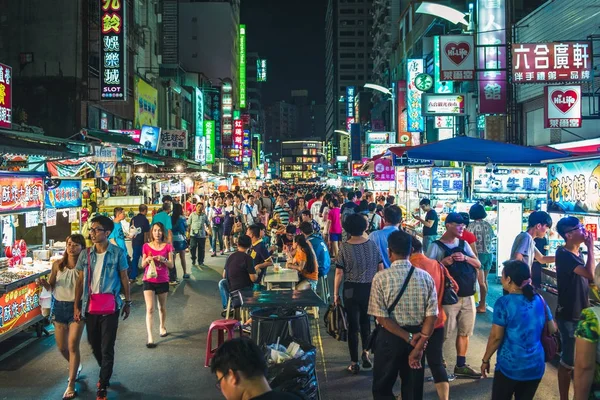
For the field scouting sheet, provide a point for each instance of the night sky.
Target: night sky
(290, 34)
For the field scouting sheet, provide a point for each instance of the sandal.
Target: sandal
(69, 394)
(164, 334)
(150, 345)
(353, 368)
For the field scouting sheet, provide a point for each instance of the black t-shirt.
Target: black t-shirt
(239, 266)
(573, 289)
(431, 216)
(273, 395)
(141, 223)
(259, 253)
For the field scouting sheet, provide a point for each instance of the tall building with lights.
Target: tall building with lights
(348, 63)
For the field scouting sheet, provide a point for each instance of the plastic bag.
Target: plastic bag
(151, 272)
(296, 375)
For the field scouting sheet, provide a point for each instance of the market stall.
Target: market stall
(20, 295)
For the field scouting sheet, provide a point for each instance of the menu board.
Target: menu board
(412, 178)
(424, 180)
(20, 192)
(447, 180)
(574, 187)
(510, 180)
(19, 307)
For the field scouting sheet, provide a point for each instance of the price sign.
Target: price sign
(593, 229)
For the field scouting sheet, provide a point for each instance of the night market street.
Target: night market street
(175, 368)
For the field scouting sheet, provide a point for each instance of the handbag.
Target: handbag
(549, 341)
(373, 336)
(449, 296)
(99, 303)
(336, 322)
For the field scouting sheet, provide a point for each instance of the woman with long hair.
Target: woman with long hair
(216, 216)
(67, 331)
(334, 226)
(357, 262)
(304, 261)
(519, 319)
(180, 244)
(161, 254)
(300, 206)
(228, 224)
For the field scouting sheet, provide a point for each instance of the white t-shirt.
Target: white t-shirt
(435, 252)
(314, 211)
(97, 272)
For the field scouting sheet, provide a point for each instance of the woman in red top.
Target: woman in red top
(468, 236)
(161, 253)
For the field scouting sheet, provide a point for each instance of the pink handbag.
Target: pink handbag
(99, 303)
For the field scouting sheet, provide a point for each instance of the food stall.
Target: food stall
(20, 296)
(63, 200)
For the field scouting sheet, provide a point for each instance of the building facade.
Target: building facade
(301, 159)
(281, 125)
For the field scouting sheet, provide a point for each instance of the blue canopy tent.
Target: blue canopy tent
(479, 151)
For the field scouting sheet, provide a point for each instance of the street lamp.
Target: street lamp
(342, 132)
(389, 92)
(445, 12)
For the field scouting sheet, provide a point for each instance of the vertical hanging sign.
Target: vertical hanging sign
(113, 74)
(209, 134)
(444, 124)
(242, 71)
(5, 96)
(415, 120)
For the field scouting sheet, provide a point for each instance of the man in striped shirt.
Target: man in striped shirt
(407, 327)
(283, 209)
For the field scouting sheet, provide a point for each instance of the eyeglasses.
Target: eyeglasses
(577, 228)
(94, 230)
(218, 383)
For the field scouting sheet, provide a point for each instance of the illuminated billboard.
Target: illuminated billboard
(242, 70)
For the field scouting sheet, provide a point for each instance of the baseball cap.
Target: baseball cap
(454, 218)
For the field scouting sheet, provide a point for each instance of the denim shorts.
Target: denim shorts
(567, 341)
(62, 311)
(180, 245)
(335, 237)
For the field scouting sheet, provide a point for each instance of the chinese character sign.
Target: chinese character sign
(551, 62)
(146, 103)
(443, 104)
(199, 112)
(19, 307)
(238, 133)
(574, 187)
(562, 107)
(242, 70)
(357, 170)
(457, 58)
(19, 193)
(173, 140)
(384, 170)
(209, 134)
(226, 112)
(447, 180)
(113, 75)
(66, 195)
(424, 180)
(5, 96)
(412, 179)
(200, 149)
(508, 181)
(491, 42)
(415, 120)
(261, 70)
(350, 90)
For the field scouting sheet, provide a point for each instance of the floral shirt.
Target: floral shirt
(589, 329)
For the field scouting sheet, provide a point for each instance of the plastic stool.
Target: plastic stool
(220, 325)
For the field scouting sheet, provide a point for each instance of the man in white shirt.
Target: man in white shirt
(250, 211)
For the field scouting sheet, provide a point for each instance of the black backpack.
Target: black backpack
(463, 273)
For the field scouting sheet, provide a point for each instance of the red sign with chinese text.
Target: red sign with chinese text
(19, 193)
(593, 229)
(384, 170)
(238, 137)
(562, 108)
(19, 307)
(551, 62)
(5, 96)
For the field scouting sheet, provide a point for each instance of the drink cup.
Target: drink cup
(276, 267)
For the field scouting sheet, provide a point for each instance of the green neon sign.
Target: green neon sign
(242, 70)
(209, 134)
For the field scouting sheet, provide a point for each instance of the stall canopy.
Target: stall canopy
(473, 150)
(22, 146)
(111, 138)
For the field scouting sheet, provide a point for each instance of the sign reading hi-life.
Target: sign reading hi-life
(113, 74)
(242, 71)
(209, 134)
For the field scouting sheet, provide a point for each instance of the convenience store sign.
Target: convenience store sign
(19, 307)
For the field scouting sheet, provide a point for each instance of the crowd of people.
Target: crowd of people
(420, 292)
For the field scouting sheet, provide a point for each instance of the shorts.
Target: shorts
(567, 341)
(227, 229)
(158, 288)
(180, 245)
(486, 261)
(62, 311)
(460, 316)
(335, 237)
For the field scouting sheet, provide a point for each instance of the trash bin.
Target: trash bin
(268, 324)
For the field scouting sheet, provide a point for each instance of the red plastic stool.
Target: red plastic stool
(220, 325)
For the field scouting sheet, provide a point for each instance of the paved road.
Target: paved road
(175, 369)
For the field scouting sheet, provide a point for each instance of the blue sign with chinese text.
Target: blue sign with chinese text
(67, 194)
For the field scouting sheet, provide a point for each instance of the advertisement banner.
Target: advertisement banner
(384, 170)
(350, 93)
(401, 178)
(66, 195)
(378, 137)
(424, 180)
(444, 124)
(105, 170)
(32, 219)
(443, 104)
(242, 70)
(238, 135)
(551, 62)
(50, 216)
(401, 114)
(19, 307)
(376, 149)
(412, 179)
(415, 120)
(175, 139)
(355, 143)
(145, 105)
(457, 58)
(510, 180)
(447, 181)
(491, 40)
(106, 154)
(5, 96)
(200, 149)
(562, 108)
(593, 229)
(132, 133)
(261, 70)
(209, 134)
(149, 137)
(411, 162)
(199, 112)
(574, 187)
(113, 74)
(20, 193)
(357, 169)
(226, 113)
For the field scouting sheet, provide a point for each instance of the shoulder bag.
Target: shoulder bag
(549, 341)
(373, 336)
(99, 303)
(449, 296)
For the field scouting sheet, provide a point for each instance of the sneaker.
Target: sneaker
(101, 394)
(173, 283)
(222, 252)
(366, 362)
(451, 378)
(213, 254)
(232, 250)
(186, 276)
(466, 372)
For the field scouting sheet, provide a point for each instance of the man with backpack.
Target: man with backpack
(463, 266)
(266, 201)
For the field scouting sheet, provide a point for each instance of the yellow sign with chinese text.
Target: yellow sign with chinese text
(146, 102)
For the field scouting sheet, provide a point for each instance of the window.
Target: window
(194, 37)
(347, 44)
(361, 77)
(347, 33)
(360, 66)
(347, 66)
(361, 11)
(343, 89)
(347, 55)
(347, 77)
(361, 33)
(361, 55)
(345, 22)
(347, 11)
